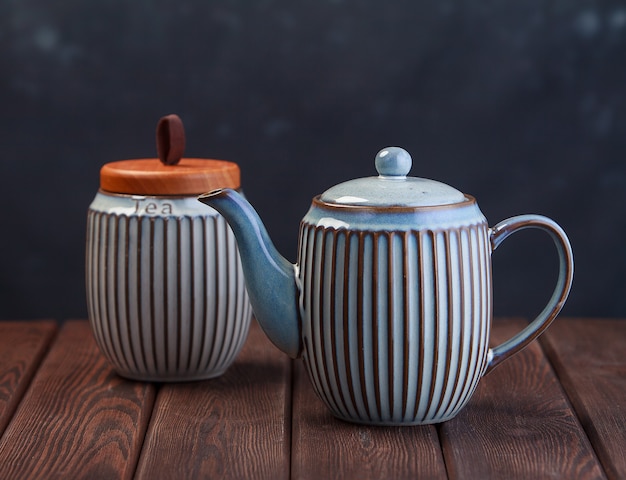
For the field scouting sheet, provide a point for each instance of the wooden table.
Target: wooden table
(557, 410)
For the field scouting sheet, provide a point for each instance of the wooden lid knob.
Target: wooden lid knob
(170, 139)
(169, 174)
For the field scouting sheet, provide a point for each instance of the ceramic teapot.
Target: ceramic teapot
(390, 301)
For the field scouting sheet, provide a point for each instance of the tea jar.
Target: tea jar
(165, 289)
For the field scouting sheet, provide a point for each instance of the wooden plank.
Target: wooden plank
(325, 447)
(233, 426)
(78, 419)
(589, 356)
(518, 424)
(22, 346)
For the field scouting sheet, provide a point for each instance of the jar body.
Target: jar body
(396, 315)
(165, 289)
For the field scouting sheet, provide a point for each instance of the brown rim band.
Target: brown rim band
(469, 200)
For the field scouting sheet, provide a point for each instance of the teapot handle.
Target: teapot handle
(498, 234)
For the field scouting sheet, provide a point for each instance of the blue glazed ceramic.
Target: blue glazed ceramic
(165, 289)
(389, 304)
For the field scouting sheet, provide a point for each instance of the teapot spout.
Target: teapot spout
(270, 278)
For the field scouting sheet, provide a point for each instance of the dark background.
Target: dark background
(520, 103)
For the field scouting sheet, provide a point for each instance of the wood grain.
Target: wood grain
(324, 447)
(234, 426)
(67, 415)
(589, 357)
(22, 346)
(518, 424)
(78, 419)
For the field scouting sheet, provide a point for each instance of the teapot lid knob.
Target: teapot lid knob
(393, 162)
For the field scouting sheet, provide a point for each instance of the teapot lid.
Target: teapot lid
(392, 187)
(170, 174)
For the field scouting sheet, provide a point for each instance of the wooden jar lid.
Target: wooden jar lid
(149, 176)
(170, 174)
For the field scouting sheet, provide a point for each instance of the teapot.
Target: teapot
(390, 301)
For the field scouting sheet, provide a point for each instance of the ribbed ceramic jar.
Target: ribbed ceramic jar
(165, 288)
(395, 322)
